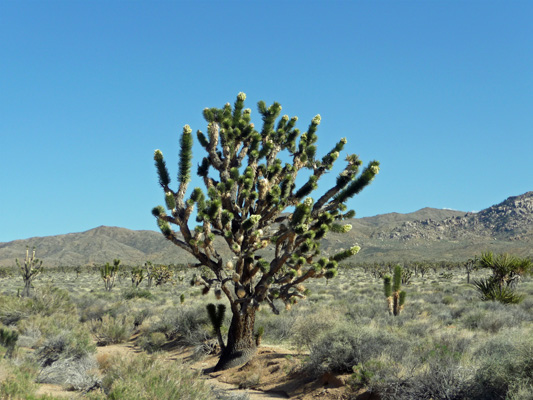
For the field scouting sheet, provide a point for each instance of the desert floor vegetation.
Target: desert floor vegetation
(447, 343)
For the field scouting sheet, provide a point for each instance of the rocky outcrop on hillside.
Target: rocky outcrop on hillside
(511, 219)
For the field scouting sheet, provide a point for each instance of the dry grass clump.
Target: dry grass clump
(147, 377)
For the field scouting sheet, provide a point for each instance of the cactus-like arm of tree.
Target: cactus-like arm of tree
(252, 202)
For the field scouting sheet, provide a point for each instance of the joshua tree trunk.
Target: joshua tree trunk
(240, 347)
(27, 288)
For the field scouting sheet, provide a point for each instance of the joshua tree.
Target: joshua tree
(137, 276)
(395, 296)
(470, 265)
(253, 202)
(109, 273)
(29, 271)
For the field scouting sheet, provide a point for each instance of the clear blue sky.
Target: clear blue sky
(441, 92)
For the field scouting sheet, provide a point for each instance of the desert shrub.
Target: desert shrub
(447, 300)
(139, 316)
(146, 377)
(138, 293)
(505, 366)
(30, 336)
(277, 328)
(46, 326)
(19, 383)
(8, 339)
(152, 342)
(493, 316)
(93, 308)
(182, 323)
(44, 302)
(13, 309)
(7, 272)
(348, 345)
(112, 329)
(52, 300)
(307, 328)
(444, 376)
(74, 344)
(473, 319)
(433, 370)
(75, 373)
(364, 310)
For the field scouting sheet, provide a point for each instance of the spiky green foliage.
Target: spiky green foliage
(185, 155)
(393, 293)
(489, 289)
(506, 269)
(29, 271)
(259, 335)
(109, 273)
(249, 187)
(216, 316)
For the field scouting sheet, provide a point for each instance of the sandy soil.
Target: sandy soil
(274, 373)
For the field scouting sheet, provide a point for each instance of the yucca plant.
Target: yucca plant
(507, 271)
(393, 293)
(259, 335)
(490, 289)
(216, 316)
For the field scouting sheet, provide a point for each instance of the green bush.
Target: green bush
(137, 293)
(349, 345)
(112, 329)
(152, 342)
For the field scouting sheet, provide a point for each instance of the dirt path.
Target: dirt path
(273, 374)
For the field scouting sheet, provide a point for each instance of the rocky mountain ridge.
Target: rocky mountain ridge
(511, 219)
(427, 234)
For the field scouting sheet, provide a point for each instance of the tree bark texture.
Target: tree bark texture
(27, 288)
(240, 347)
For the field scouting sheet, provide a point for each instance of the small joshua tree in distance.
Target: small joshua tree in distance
(29, 271)
(392, 288)
(137, 276)
(251, 200)
(109, 273)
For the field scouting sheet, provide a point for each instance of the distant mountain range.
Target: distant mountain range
(427, 234)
